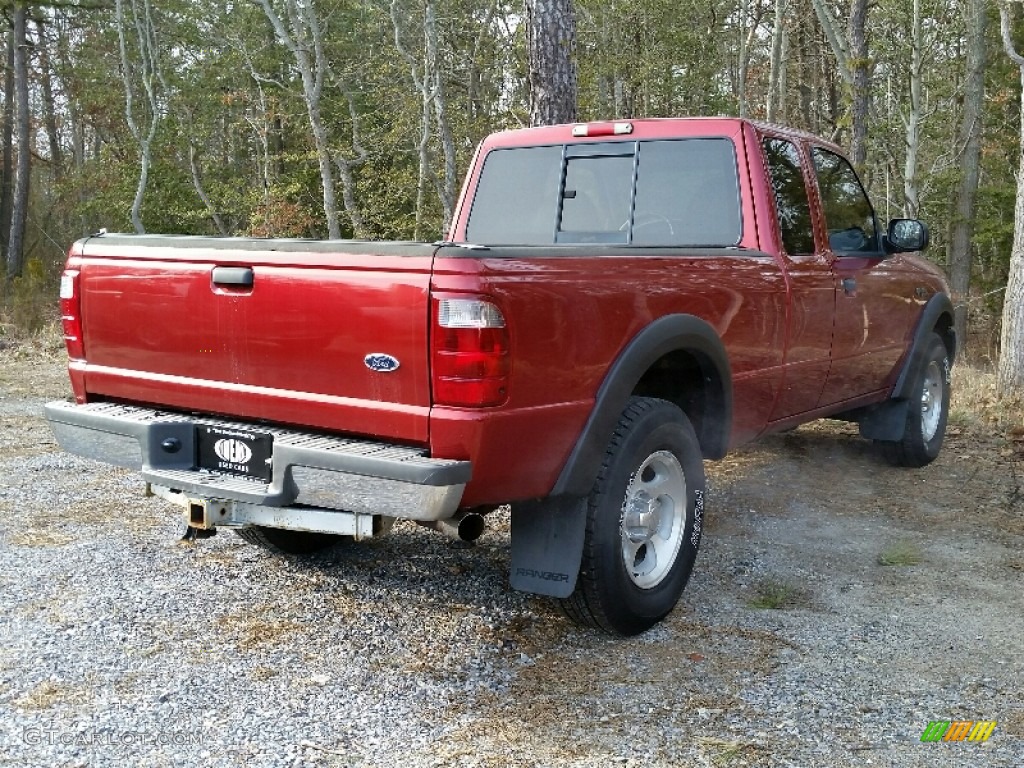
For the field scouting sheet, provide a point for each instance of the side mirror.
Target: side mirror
(906, 235)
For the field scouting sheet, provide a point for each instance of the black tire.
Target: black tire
(925, 427)
(285, 542)
(654, 436)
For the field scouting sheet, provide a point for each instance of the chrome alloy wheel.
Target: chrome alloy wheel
(653, 519)
(931, 400)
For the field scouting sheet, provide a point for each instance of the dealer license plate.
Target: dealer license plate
(237, 451)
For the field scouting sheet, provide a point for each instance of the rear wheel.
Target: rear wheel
(284, 542)
(928, 410)
(644, 520)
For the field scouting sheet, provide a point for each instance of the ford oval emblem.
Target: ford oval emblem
(378, 361)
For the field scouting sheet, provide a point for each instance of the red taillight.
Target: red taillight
(471, 353)
(71, 314)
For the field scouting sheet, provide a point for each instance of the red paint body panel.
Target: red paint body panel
(570, 316)
(290, 348)
(810, 319)
(874, 323)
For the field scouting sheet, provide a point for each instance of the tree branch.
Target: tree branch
(1004, 28)
(835, 40)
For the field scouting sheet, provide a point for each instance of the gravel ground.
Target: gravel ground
(121, 645)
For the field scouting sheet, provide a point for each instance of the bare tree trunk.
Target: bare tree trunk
(7, 184)
(346, 167)
(430, 83)
(782, 113)
(838, 45)
(263, 133)
(748, 25)
(348, 194)
(275, 140)
(198, 185)
(74, 110)
(959, 251)
(741, 76)
(476, 102)
(911, 197)
(854, 65)
(150, 79)
(860, 82)
(423, 82)
(19, 209)
(1010, 375)
(303, 39)
(49, 111)
(1010, 378)
(551, 43)
(803, 86)
(265, 124)
(444, 128)
(775, 71)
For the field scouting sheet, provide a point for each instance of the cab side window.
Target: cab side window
(791, 204)
(849, 217)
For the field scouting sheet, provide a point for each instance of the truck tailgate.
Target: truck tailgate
(329, 335)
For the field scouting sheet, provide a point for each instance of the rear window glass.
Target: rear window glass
(595, 199)
(687, 193)
(682, 192)
(517, 197)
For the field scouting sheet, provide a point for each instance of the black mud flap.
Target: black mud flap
(885, 421)
(547, 545)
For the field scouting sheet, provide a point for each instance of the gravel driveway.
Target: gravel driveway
(794, 644)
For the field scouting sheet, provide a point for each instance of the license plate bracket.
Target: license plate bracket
(235, 451)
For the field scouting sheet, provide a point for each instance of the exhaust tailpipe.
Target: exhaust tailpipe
(465, 526)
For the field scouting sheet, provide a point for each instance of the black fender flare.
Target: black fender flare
(887, 420)
(937, 306)
(670, 333)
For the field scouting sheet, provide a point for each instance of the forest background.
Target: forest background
(357, 118)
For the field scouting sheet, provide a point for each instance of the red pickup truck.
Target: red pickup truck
(615, 303)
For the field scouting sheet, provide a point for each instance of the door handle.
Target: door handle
(850, 286)
(237, 276)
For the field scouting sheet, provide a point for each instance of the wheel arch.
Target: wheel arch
(679, 358)
(936, 317)
(886, 421)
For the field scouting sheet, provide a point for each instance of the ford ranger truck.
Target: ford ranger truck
(615, 303)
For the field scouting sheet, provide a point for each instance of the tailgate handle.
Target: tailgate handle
(241, 276)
